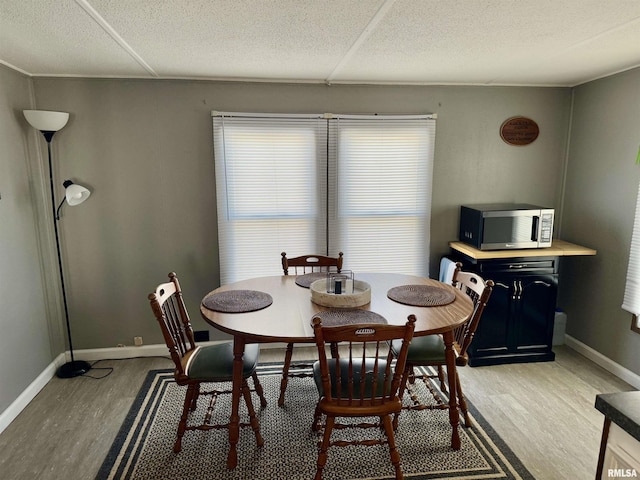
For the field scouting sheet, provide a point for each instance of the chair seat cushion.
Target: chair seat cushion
(214, 363)
(425, 350)
(357, 374)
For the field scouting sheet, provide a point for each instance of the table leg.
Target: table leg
(454, 416)
(603, 447)
(234, 420)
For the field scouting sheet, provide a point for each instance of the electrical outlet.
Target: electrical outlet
(137, 341)
(201, 335)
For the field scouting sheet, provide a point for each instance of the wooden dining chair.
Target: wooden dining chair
(303, 264)
(359, 381)
(429, 351)
(310, 263)
(195, 365)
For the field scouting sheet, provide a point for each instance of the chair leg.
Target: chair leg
(194, 402)
(393, 450)
(317, 417)
(443, 380)
(322, 453)
(285, 373)
(258, 388)
(462, 403)
(189, 397)
(403, 386)
(246, 393)
(411, 377)
(408, 372)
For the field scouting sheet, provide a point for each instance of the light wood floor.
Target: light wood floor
(544, 411)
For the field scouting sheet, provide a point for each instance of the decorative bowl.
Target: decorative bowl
(361, 295)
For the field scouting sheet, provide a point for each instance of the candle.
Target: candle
(348, 287)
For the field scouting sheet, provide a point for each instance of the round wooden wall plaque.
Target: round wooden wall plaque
(519, 131)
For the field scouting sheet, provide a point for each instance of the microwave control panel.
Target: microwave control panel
(546, 230)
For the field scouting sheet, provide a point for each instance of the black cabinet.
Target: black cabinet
(517, 323)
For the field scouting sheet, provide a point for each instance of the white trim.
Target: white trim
(267, 346)
(29, 394)
(20, 403)
(424, 116)
(99, 19)
(91, 355)
(362, 38)
(216, 113)
(605, 362)
(325, 116)
(118, 353)
(48, 373)
(158, 350)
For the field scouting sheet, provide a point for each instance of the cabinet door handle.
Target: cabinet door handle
(517, 266)
(517, 290)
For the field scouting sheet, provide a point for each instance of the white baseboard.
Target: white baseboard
(19, 404)
(29, 393)
(606, 363)
(90, 355)
(118, 353)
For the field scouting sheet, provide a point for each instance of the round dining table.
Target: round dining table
(288, 311)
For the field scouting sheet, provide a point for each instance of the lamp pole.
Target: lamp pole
(48, 123)
(73, 368)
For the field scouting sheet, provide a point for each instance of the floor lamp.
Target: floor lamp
(48, 123)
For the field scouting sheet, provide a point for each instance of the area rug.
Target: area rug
(143, 449)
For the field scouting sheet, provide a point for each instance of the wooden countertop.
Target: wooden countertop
(558, 248)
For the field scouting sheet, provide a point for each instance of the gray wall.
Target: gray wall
(26, 339)
(145, 150)
(599, 206)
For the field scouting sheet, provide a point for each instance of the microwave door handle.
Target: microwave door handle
(534, 228)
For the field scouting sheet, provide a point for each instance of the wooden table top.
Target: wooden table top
(288, 318)
(558, 248)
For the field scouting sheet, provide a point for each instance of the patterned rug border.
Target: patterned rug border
(502, 454)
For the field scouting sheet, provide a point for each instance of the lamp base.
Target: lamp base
(73, 369)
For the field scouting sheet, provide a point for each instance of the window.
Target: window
(382, 188)
(631, 302)
(323, 184)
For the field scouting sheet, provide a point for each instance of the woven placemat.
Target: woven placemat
(348, 316)
(237, 301)
(421, 295)
(307, 279)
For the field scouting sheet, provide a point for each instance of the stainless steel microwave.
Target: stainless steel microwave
(499, 226)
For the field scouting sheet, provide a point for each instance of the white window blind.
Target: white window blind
(631, 302)
(323, 184)
(269, 199)
(381, 180)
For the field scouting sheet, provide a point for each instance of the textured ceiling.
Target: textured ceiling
(479, 42)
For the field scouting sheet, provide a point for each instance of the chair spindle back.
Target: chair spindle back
(168, 306)
(479, 291)
(362, 369)
(310, 263)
